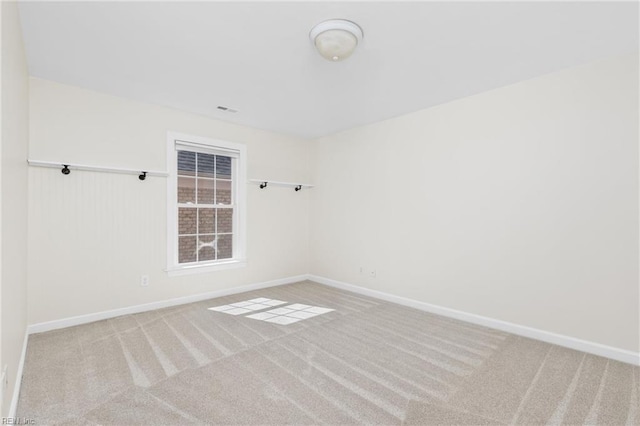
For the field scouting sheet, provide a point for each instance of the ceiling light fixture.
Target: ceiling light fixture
(336, 39)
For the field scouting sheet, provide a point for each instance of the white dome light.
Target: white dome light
(336, 39)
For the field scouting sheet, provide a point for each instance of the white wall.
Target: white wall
(92, 235)
(519, 204)
(13, 200)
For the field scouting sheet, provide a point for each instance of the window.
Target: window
(206, 204)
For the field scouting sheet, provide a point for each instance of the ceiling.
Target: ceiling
(257, 57)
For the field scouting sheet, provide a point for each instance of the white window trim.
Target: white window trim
(239, 189)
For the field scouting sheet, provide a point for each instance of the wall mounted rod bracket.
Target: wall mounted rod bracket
(66, 169)
(262, 183)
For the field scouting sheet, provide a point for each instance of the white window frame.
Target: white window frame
(239, 178)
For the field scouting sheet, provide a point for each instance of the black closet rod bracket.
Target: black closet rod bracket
(66, 169)
(263, 183)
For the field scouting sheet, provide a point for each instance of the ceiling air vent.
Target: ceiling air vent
(226, 109)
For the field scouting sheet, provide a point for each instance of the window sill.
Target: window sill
(200, 269)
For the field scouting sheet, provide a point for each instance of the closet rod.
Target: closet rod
(266, 182)
(70, 166)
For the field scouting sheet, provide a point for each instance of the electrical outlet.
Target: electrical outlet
(372, 274)
(144, 280)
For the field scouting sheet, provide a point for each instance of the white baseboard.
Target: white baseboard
(84, 319)
(617, 354)
(13, 408)
(521, 330)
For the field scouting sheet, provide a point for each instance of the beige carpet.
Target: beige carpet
(367, 362)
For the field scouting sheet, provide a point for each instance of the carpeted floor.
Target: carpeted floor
(367, 362)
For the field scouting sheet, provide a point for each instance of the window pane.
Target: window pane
(206, 164)
(186, 190)
(186, 163)
(187, 249)
(205, 191)
(225, 220)
(206, 221)
(223, 167)
(225, 249)
(186, 221)
(223, 191)
(206, 248)
(205, 231)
